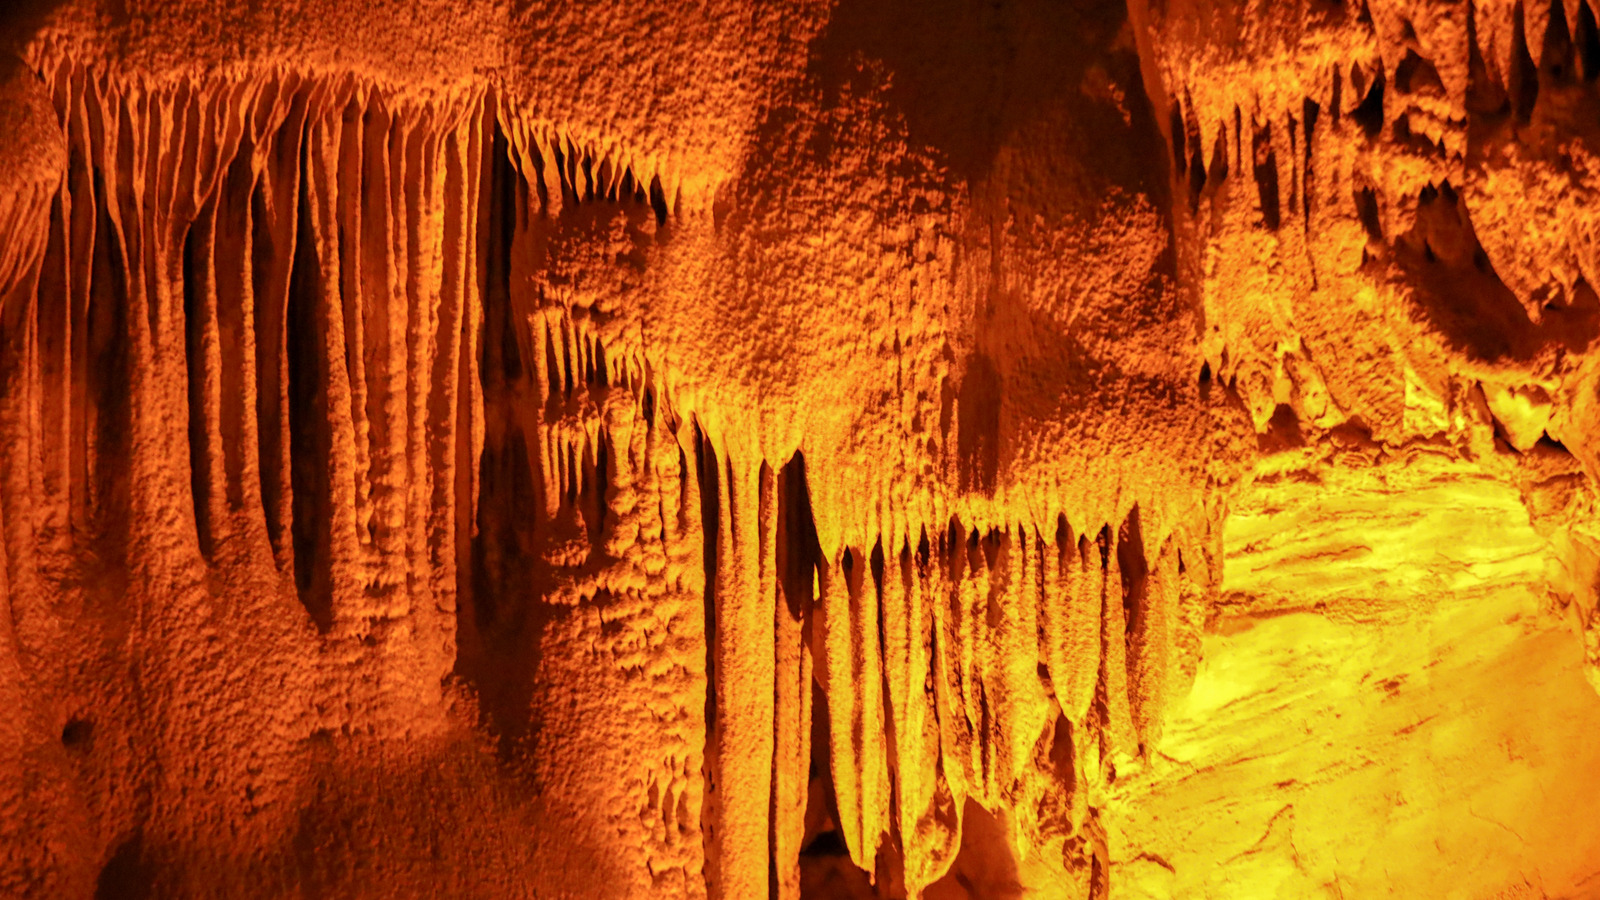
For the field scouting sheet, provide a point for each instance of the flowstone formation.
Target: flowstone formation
(879, 448)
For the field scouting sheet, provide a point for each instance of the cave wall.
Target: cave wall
(734, 451)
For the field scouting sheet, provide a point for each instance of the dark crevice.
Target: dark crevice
(658, 200)
(127, 875)
(1336, 102)
(232, 235)
(1099, 880)
(986, 864)
(1238, 131)
(1180, 159)
(1310, 111)
(109, 411)
(1586, 43)
(1457, 292)
(541, 166)
(1135, 572)
(1060, 753)
(77, 734)
(506, 484)
(268, 326)
(605, 187)
(1416, 75)
(1524, 75)
(195, 366)
(601, 488)
(799, 553)
(560, 159)
(600, 379)
(558, 383)
(1265, 169)
(826, 869)
(1367, 211)
(1196, 152)
(997, 554)
(707, 473)
(1065, 546)
(1369, 112)
(1548, 444)
(1218, 171)
(310, 437)
(1293, 131)
(505, 188)
(626, 189)
(275, 207)
(1197, 178)
(500, 613)
(1283, 431)
(889, 865)
(878, 567)
(1556, 58)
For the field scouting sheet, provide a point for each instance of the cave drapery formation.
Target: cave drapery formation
(740, 450)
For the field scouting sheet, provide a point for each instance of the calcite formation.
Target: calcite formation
(728, 450)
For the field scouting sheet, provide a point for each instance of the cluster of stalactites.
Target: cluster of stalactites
(1377, 129)
(1010, 665)
(997, 664)
(278, 324)
(1394, 168)
(250, 341)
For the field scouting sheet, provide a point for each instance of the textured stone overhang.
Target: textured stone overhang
(730, 450)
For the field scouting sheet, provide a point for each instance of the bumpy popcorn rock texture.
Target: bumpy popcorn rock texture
(875, 448)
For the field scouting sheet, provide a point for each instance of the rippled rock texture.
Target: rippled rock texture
(804, 450)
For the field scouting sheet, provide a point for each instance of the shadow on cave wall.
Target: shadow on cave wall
(967, 75)
(1035, 113)
(1456, 291)
(20, 20)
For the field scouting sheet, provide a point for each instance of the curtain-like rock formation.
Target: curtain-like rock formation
(721, 452)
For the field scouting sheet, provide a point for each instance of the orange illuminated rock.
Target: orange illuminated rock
(877, 448)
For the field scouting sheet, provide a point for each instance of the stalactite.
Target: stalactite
(744, 662)
(291, 325)
(1112, 691)
(796, 557)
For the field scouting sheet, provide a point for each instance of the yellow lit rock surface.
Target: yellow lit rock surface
(1389, 705)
